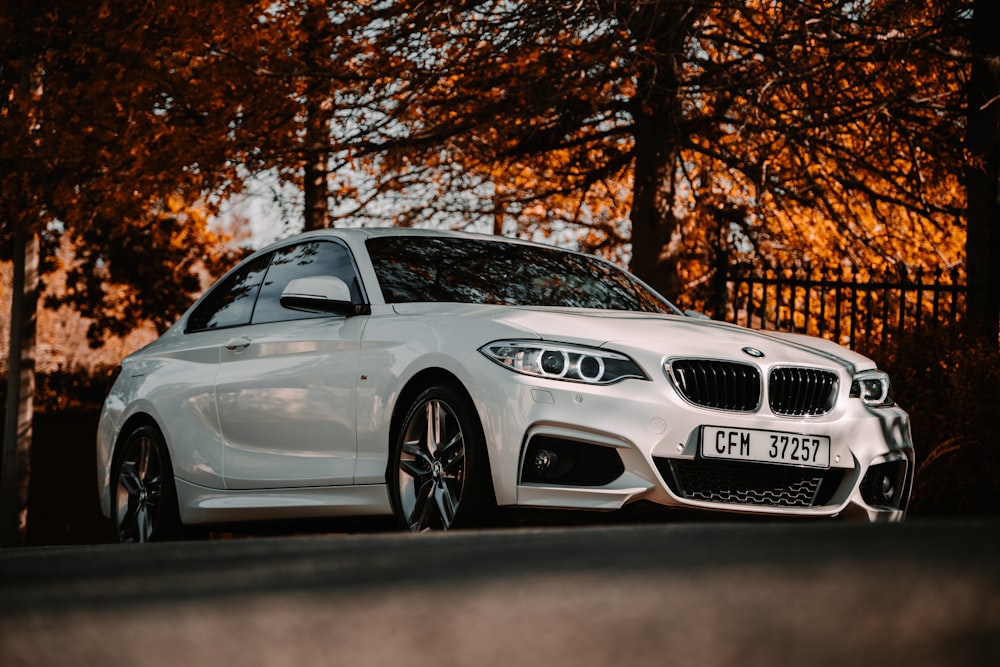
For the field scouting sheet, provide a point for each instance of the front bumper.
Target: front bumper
(649, 438)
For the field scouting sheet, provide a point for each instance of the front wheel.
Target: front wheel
(144, 505)
(439, 475)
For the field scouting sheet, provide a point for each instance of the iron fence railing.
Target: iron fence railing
(853, 308)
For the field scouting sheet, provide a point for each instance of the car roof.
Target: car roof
(371, 232)
(361, 234)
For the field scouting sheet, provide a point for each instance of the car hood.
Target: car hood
(664, 335)
(684, 336)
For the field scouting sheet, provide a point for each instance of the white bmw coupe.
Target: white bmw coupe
(438, 376)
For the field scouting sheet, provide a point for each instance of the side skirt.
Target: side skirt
(200, 505)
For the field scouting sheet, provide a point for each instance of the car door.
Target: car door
(190, 369)
(286, 387)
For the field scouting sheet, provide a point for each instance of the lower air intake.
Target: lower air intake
(735, 483)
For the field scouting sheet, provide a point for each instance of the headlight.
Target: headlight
(872, 387)
(561, 361)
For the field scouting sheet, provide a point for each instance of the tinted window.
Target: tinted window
(413, 269)
(303, 260)
(230, 303)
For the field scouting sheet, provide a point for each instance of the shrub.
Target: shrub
(68, 390)
(950, 385)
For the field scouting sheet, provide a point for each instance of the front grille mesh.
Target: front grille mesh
(737, 483)
(800, 392)
(724, 385)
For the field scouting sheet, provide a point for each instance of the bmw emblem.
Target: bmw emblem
(753, 352)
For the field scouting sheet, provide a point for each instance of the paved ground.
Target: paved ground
(922, 593)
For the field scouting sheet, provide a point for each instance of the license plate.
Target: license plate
(742, 444)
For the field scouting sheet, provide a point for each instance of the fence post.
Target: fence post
(824, 273)
(920, 297)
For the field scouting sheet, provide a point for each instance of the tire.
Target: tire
(144, 498)
(439, 475)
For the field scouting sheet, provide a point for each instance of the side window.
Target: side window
(230, 303)
(303, 260)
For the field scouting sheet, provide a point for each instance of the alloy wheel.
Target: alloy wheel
(431, 478)
(139, 491)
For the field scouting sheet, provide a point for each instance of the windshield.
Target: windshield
(435, 269)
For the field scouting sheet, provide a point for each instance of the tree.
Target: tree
(983, 171)
(797, 123)
(299, 69)
(106, 113)
(15, 461)
(15, 465)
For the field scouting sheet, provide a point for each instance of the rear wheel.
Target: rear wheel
(439, 476)
(144, 505)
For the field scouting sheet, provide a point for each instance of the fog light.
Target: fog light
(888, 488)
(545, 461)
(885, 485)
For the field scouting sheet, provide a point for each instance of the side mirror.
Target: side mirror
(320, 294)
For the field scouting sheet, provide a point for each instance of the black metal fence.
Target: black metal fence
(853, 308)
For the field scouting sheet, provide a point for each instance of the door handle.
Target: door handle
(237, 344)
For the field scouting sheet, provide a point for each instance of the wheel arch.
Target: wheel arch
(419, 382)
(428, 377)
(108, 454)
(131, 424)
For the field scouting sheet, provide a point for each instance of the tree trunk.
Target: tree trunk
(15, 469)
(316, 189)
(319, 110)
(983, 172)
(652, 215)
(658, 133)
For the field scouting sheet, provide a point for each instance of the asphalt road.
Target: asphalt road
(921, 593)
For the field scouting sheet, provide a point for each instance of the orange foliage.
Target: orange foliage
(665, 135)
